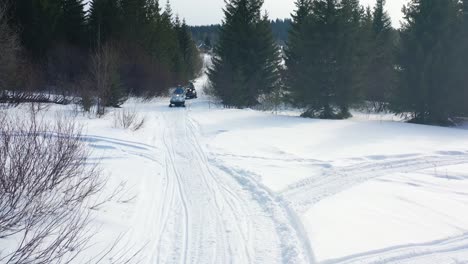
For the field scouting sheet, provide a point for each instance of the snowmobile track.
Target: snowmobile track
(212, 214)
(304, 194)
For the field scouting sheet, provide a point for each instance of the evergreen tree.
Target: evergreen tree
(381, 75)
(464, 60)
(246, 63)
(168, 14)
(189, 53)
(296, 52)
(350, 57)
(207, 42)
(104, 21)
(428, 85)
(325, 57)
(73, 23)
(39, 23)
(134, 15)
(170, 44)
(280, 29)
(153, 11)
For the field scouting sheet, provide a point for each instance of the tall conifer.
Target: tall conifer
(246, 61)
(73, 23)
(428, 85)
(381, 74)
(104, 21)
(296, 52)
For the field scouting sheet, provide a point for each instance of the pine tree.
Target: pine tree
(170, 44)
(247, 59)
(319, 67)
(296, 52)
(168, 11)
(135, 20)
(428, 85)
(381, 75)
(39, 21)
(325, 56)
(464, 60)
(104, 22)
(349, 79)
(73, 23)
(189, 53)
(153, 11)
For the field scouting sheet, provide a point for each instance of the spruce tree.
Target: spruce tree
(135, 21)
(246, 61)
(296, 52)
(350, 57)
(428, 85)
(153, 11)
(381, 74)
(463, 98)
(170, 45)
(168, 11)
(321, 65)
(325, 61)
(73, 23)
(188, 51)
(104, 21)
(39, 22)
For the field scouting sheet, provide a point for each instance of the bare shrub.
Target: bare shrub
(105, 79)
(128, 119)
(45, 186)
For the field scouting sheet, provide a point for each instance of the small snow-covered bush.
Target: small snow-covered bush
(128, 119)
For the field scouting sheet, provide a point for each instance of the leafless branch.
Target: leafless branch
(45, 186)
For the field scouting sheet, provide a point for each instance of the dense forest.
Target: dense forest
(209, 35)
(341, 55)
(114, 49)
(337, 55)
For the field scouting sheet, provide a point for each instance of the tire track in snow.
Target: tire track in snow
(173, 174)
(442, 251)
(305, 193)
(230, 197)
(220, 218)
(295, 246)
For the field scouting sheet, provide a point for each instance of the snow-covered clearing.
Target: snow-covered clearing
(204, 184)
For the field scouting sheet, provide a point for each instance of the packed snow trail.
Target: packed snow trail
(203, 212)
(208, 215)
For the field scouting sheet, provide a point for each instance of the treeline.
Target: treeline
(205, 35)
(340, 55)
(114, 49)
(209, 35)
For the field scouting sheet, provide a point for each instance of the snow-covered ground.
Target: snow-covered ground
(204, 184)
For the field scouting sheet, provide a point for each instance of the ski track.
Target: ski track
(305, 193)
(211, 214)
(439, 251)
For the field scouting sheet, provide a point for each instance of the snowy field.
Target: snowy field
(204, 184)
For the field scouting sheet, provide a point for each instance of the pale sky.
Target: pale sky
(204, 12)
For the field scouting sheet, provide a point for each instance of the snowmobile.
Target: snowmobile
(178, 97)
(191, 93)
